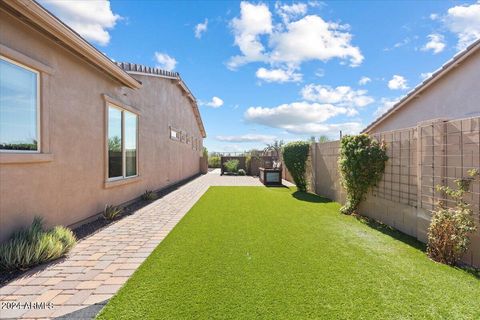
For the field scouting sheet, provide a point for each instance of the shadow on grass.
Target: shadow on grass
(409, 240)
(309, 197)
(392, 232)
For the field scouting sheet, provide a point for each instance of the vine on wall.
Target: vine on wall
(361, 165)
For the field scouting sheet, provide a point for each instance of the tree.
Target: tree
(323, 139)
(275, 146)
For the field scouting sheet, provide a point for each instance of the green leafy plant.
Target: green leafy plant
(231, 165)
(35, 245)
(149, 195)
(361, 164)
(295, 156)
(205, 152)
(241, 172)
(450, 228)
(111, 212)
(214, 162)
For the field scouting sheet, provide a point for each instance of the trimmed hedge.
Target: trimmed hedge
(295, 155)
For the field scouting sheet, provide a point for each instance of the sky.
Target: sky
(281, 70)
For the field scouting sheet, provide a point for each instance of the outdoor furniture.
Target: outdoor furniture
(271, 177)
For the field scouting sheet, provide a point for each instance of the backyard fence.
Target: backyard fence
(420, 158)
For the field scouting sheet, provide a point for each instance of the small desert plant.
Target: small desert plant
(149, 195)
(361, 164)
(231, 165)
(449, 230)
(35, 245)
(214, 162)
(111, 212)
(241, 172)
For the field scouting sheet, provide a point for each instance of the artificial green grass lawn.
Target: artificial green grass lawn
(273, 253)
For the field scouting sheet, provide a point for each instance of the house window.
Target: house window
(174, 134)
(19, 107)
(122, 143)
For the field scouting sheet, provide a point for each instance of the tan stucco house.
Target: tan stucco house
(451, 92)
(78, 131)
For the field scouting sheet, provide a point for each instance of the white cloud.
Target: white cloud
(216, 102)
(398, 83)
(436, 43)
(254, 21)
(91, 19)
(247, 138)
(290, 43)
(341, 96)
(425, 75)
(164, 61)
(434, 16)
(288, 12)
(295, 113)
(300, 117)
(320, 72)
(364, 80)
(201, 28)
(312, 38)
(387, 104)
(399, 44)
(464, 21)
(331, 130)
(278, 75)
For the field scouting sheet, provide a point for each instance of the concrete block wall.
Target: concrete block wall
(433, 153)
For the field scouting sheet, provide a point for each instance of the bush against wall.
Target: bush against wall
(214, 162)
(361, 165)
(231, 165)
(450, 228)
(35, 245)
(295, 155)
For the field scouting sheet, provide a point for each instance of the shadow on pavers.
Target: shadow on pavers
(89, 312)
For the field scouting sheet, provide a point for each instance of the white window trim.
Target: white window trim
(124, 167)
(177, 133)
(38, 116)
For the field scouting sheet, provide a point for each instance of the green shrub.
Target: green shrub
(231, 165)
(295, 155)
(361, 164)
(450, 228)
(111, 212)
(34, 245)
(241, 172)
(214, 162)
(149, 195)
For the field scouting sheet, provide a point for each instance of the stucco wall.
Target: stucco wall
(455, 95)
(70, 186)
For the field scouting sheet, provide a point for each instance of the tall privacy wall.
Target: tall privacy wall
(432, 153)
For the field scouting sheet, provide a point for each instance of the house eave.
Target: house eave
(417, 91)
(35, 14)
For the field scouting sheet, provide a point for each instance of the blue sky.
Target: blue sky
(281, 70)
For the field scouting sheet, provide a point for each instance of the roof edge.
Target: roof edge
(133, 68)
(67, 36)
(444, 69)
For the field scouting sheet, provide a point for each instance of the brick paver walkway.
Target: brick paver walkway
(80, 285)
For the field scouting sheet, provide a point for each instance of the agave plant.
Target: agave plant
(149, 195)
(111, 212)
